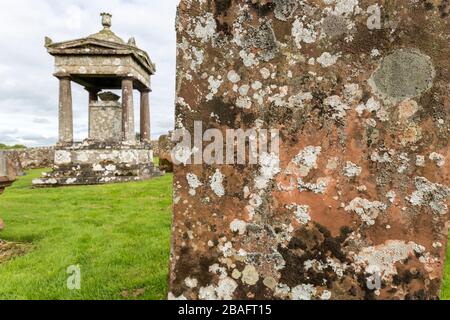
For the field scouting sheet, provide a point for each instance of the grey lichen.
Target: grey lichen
(285, 9)
(430, 194)
(262, 38)
(405, 73)
(367, 210)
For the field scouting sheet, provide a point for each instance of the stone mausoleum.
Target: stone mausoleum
(112, 152)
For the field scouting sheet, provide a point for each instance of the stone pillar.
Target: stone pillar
(93, 96)
(129, 134)
(65, 111)
(354, 205)
(145, 116)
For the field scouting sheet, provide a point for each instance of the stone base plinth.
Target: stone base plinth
(99, 163)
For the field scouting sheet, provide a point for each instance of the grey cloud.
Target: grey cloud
(41, 120)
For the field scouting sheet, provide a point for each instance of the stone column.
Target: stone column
(145, 115)
(93, 96)
(65, 111)
(128, 110)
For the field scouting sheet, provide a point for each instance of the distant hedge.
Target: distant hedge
(17, 146)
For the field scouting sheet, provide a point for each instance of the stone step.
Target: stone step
(92, 180)
(81, 173)
(84, 175)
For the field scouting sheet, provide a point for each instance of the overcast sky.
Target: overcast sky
(29, 92)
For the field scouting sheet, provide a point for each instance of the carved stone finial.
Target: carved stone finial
(132, 42)
(48, 41)
(106, 20)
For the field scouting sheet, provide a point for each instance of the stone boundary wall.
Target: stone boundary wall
(35, 158)
(155, 147)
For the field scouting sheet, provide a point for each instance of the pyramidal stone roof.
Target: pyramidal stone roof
(105, 39)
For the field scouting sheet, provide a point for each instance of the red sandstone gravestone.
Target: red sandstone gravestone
(354, 206)
(9, 169)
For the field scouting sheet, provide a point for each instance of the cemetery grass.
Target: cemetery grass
(119, 235)
(446, 285)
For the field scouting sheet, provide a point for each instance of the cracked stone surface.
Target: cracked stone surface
(358, 194)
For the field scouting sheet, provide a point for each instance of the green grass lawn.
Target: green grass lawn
(446, 285)
(117, 234)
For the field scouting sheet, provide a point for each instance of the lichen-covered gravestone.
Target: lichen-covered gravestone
(354, 204)
(9, 169)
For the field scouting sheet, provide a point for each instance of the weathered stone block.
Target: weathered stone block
(105, 121)
(354, 205)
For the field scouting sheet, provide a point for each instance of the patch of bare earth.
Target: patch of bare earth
(10, 250)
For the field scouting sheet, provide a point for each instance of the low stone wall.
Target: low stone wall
(35, 158)
(155, 147)
(32, 158)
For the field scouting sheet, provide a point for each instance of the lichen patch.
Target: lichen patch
(405, 73)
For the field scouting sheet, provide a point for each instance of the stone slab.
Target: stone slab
(354, 205)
